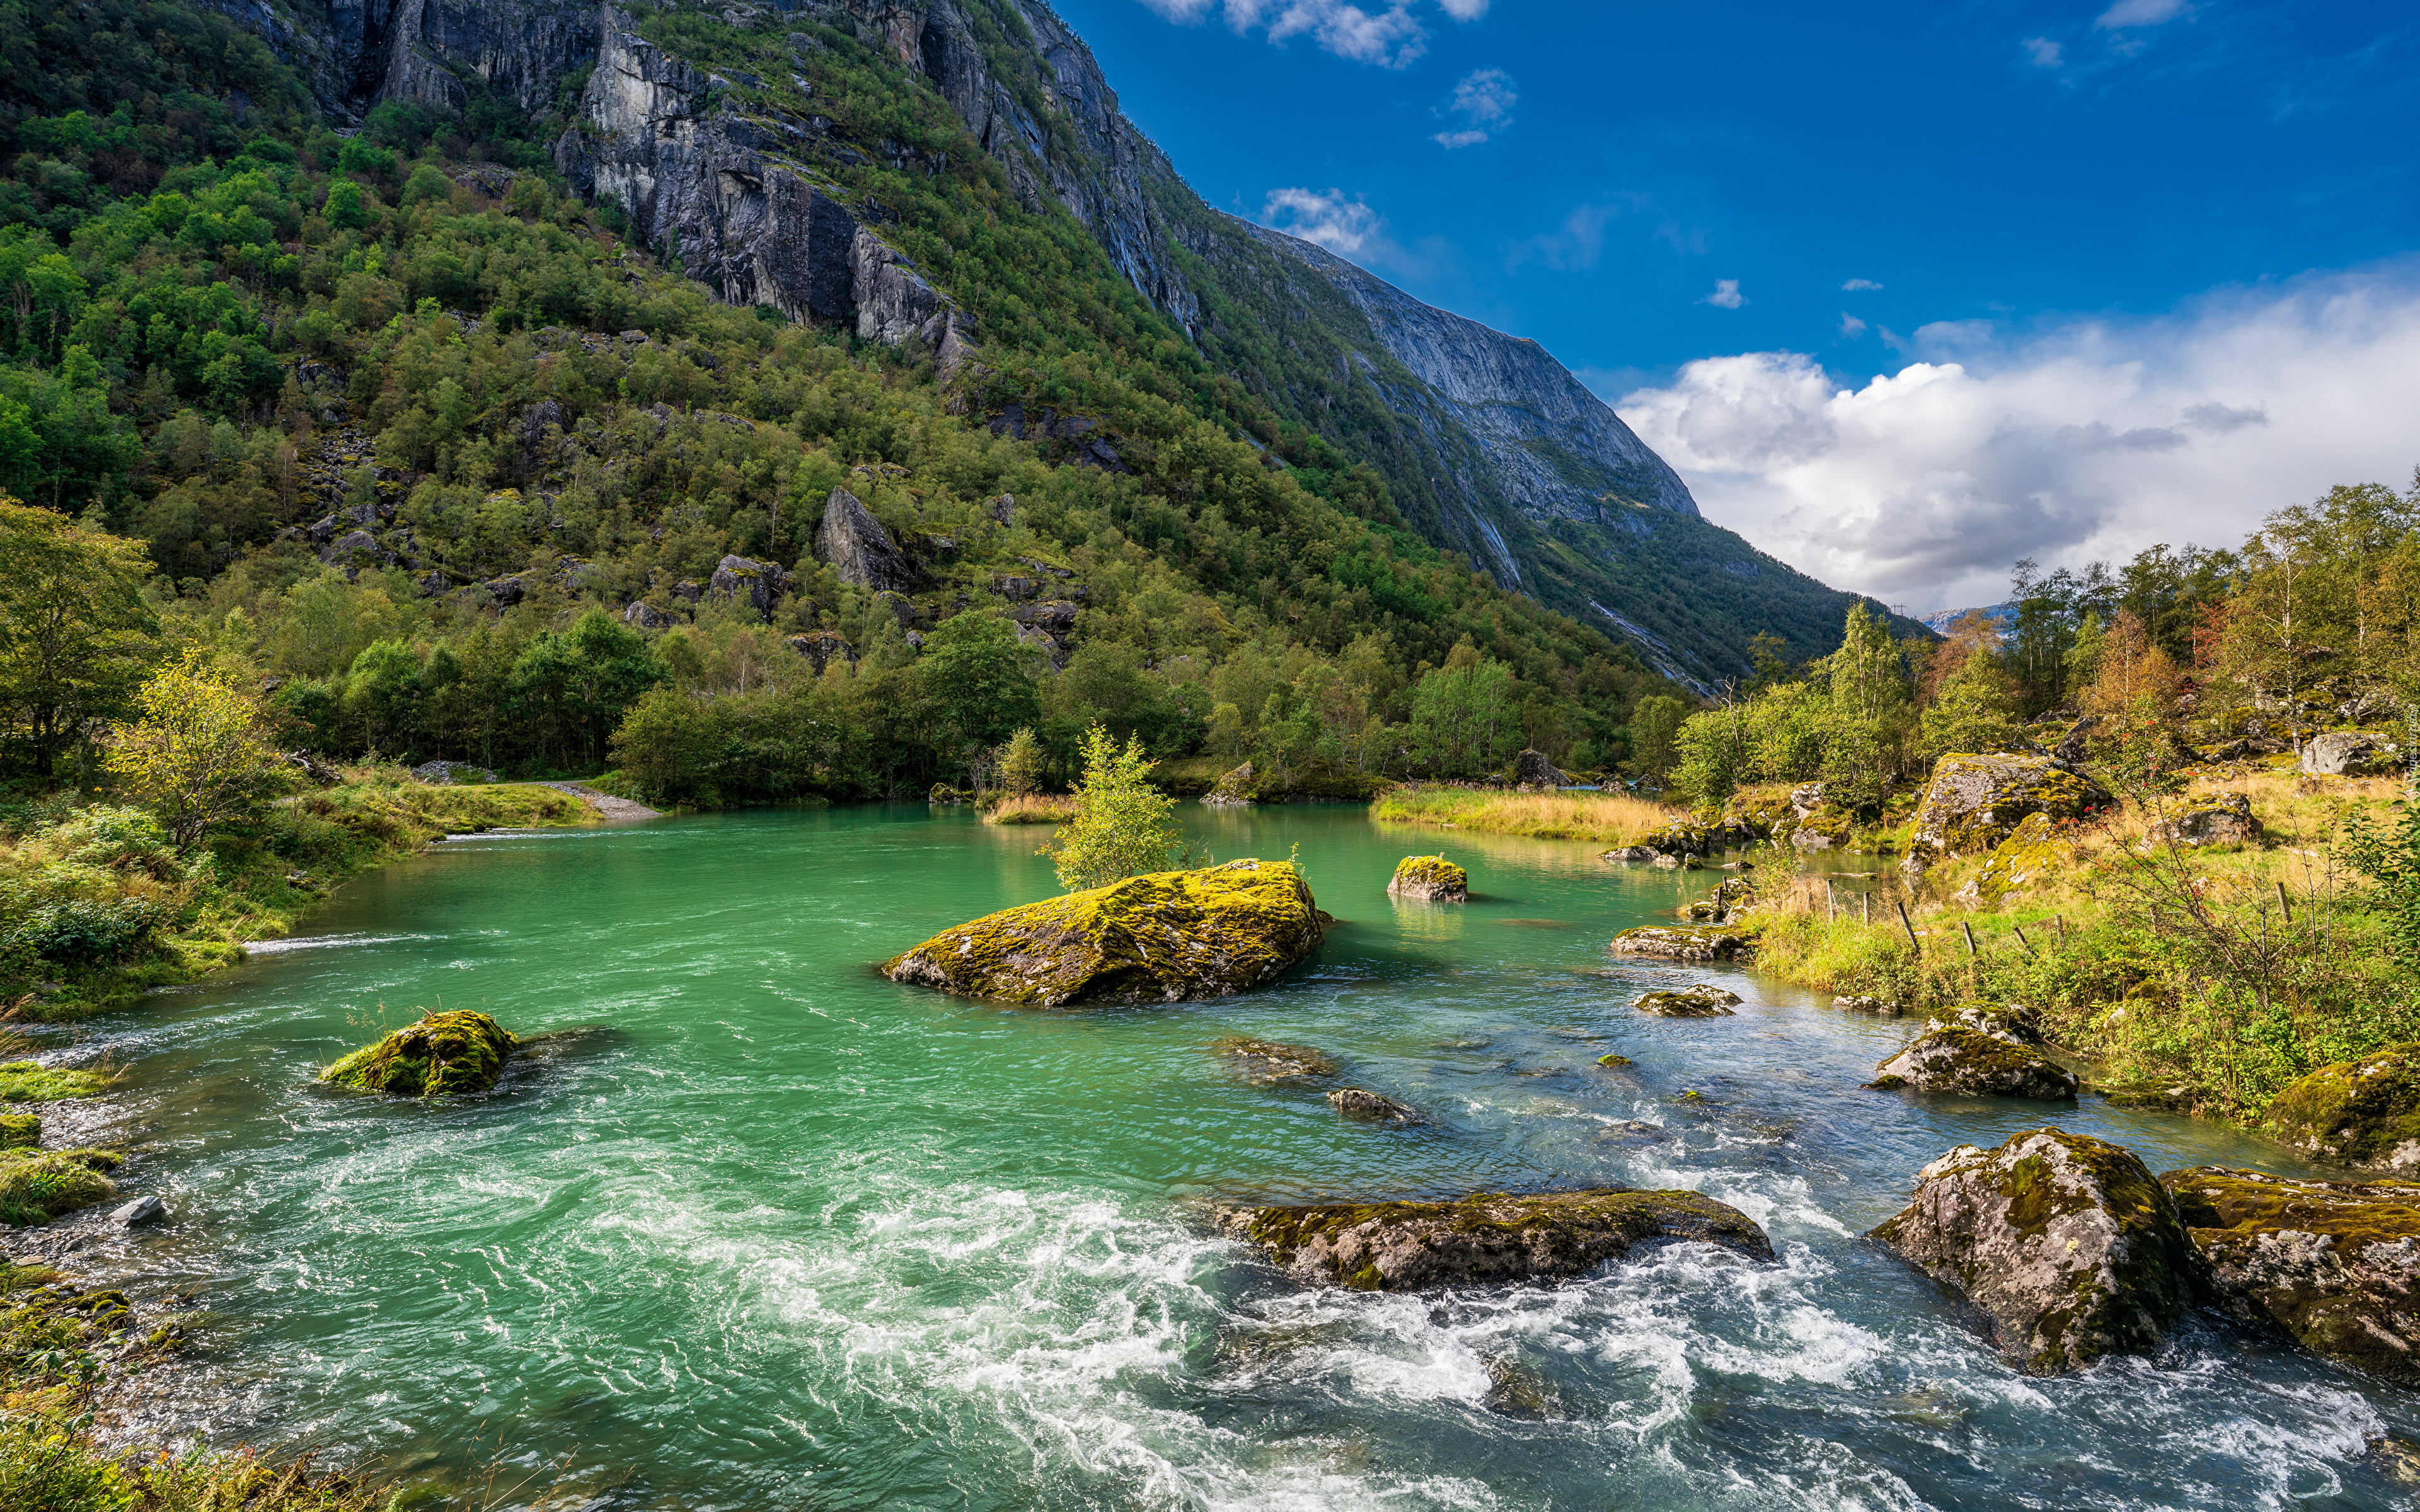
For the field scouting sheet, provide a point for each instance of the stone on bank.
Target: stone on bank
(2364, 1112)
(1164, 937)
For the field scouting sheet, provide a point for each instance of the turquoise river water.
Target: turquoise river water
(751, 1227)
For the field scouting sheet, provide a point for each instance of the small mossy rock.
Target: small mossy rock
(1487, 1237)
(2335, 1265)
(2213, 819)
(1431, 878)
(1682, 837)
(2032, 854)
(448, 1054)
(38, 1185)
(1702, 1002)
(2363, 1112)
(20, 1130)
(1267, 1061)
(1360, 1103)
(1949, 1057)
(1165, 938)
(1974, 802)
(1681, 942)
(1859, 1003)
(1615, 1061)
(2065, 1243)
(29, 1081)
(1234, 789)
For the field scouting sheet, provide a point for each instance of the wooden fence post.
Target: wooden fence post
(1970, 937)
(1905, 924)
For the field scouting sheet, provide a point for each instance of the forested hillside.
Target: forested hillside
(409, 430)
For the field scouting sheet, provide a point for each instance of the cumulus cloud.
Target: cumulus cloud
(1855, 285)
(1344, 226)
(1484, 101)
(1726, 295)
(2084, 440)
(2139, 13)
(1388, 33)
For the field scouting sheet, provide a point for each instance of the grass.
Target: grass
(1032, 808)
(1604, 818)
(27, 1081)
(38, 1185)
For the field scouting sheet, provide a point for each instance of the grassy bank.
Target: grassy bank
(1604, 818)
(2201, 980)
(95, 905)
(1032, 808)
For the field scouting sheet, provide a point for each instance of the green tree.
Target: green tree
(1020, 764)
(1122, 826)
(976, 683)
(575, 685)
(75, 634)
(199, 755)
(1654, 737)
(1464, 716)
(1972, 711)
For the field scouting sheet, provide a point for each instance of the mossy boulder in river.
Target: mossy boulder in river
(1488, 1237)
(1703, 1001)
(1165, 938)
(2335, 1265)
(2063, 1243)
(1974, 802)
(2363, 1112)
(1431, 878)
(1979, 1053)
(1681, 942)
(443, 1055)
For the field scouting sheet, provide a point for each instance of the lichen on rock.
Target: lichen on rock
(1163, 937)
(1431, 879)
(1681, 942)
(2334, 1265)
(1268, 1061)
(1233, 789)
(445, 1054)
(2364, 1112)
(2064, 1245)
(2213, 819)
(1976, 1055)
(1374, 1107)
(1702, 1002)
(1974, 802)
(1486, 1237)
(2033, 852)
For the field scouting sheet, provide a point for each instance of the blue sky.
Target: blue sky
(1904, 291)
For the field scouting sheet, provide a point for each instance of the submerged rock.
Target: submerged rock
(443, 1055)
(1516, 1389)
(2335, 1265)
(1166, 937)
(1681, 942)
(1431, 878)
(2363, 1112)
(1267, 1061)
(1359, 1102)
(2064, 1245)
(1487, 1237)
(1979, 1053)
(1702, 1002)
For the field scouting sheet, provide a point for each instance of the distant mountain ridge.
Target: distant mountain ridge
(1489, 445)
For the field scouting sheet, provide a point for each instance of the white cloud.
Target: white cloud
(1389, 34)
(2044, 52)
(1855, 285)
(1726, 295)
(2090, 440)
(1344, 226)
(1484, 101)
(1450, 139)
(2139, 13)
(1851, 325)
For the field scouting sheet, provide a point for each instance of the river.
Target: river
(754, 1227)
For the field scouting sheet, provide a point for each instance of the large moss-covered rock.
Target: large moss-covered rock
(1977, 1054)
(2363, 1112)
(444, 1055)
(2032, 854)
(2211, 819)
(1974, 802)
(1487, 1237)
(1681, 942)
(1233, 789)
(2335, 1265)
(2064, 1243)
(1165, 938)
(1431, 878)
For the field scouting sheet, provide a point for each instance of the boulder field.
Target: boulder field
(1163, 937)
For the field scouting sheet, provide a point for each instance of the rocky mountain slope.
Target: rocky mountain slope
(707, 129)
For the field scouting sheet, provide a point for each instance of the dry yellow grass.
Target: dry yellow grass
(1606, 818)
(1032, 808)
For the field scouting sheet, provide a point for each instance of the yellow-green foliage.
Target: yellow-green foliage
(443, 1055)
(1429, 877)
(1608, 818)
(1163, 937)
(2364, 1112)
(27, 1081)
(38, 1185)
(1032, 808)
(18, 1130)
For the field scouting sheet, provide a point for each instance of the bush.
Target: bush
(1121, 827)
(78, 932)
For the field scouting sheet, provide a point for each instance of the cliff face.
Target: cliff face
(360, 53)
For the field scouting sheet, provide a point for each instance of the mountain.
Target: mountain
(709, 128)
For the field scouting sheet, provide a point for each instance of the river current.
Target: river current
(752, 1227)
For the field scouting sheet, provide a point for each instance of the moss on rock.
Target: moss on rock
(1431, 878)
(1165, 938)
(1960, 1057)
(1702, 1002)
(444, 1055)
(2363, 1112)
(1486, 1237)
(2033, 852)
(27, 1081)
(1683, 942)
(18, 1130)
(1974, 802)
(38, 1185)
(1267, 1061)
(2334, 1265)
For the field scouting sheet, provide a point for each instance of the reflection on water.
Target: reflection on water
(751, 1227)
